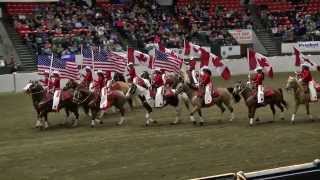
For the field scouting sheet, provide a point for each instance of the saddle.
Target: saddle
(214, 93)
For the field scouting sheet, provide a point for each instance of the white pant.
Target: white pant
(313, 91)
(207, 94)
(56, 99)
(159, 97)
(104, 98)
(260, 94)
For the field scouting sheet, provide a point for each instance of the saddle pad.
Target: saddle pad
(215, 93)
(65, 95)
(268, 92)
(317, 86)
(168, 93)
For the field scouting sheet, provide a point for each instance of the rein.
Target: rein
(84, 100)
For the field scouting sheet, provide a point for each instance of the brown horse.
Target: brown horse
(300, 96)
(274, 97)
(42, 102)
(224, 99)
(115, 98)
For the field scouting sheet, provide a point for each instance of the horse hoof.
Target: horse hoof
(201, 123)
(194, 122)
(147, 125)
(101, 122)
(282, 118)
(155, 122)
(92, 126)
(257, 119)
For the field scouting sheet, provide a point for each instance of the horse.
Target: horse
(273, 97)
(116, 98)
(300, 96)
(170, 98)
(224, 98)
(42, 103)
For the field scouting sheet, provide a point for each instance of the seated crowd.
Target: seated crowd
(65, 26)
(292, 21)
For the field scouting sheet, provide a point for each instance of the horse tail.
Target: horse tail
(236, 97)
(283, 102)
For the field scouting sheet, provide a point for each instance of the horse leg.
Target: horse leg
(130, 102)
(201, 118)
(46, 124)
(308, 111)
(294, 112)
(121, 109)
(149, 110)
(192, 119)
(93, 116)
(281, 109)
(273, 112)
(251, 114)
(67, 116)
(178, 113)
(229, 106)
(76, 114)
(38, 122)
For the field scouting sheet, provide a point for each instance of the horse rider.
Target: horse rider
(157, 84)
(257, 81)
(131, 72)
(108, 78)
(88, 77)
(307, 81)
(192, 74)
(45, 80)
(56, 89)
(206, 82)
(99, 83)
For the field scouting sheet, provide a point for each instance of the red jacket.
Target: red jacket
(87, 79)
(98, 84)
(157, 80)
(132, 73)
(107, 76)
(258, 79)
(56, 83)
(45, 81)
(205, 79)
(305, 75)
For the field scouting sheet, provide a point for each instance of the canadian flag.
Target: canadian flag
(300, 59)
(214, 62)
(191, 49)
(256, 59)
(137, 57)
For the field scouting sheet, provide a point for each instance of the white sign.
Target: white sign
(309, 46)
(242, 36)
(227, 51)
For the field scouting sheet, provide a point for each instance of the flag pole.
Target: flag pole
(249, 72)
(81, 51)
(92, 58)
(51, 62)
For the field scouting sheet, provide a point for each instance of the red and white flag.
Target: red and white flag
(256, 59)
(140, 58)
(190, 49)
(214, 62)
(300, 59)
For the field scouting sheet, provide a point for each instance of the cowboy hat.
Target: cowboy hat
(99, 71)
(258, 69)
(305, 65)
(88, 67)
(55, 72)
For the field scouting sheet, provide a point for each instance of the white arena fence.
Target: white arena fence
(16, 82)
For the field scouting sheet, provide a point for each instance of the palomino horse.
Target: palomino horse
(115, 98)
(43, 104)
(300, 96)
(224, 99)
(169, 97)
(273, 97)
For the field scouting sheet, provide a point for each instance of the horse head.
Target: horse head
(80, 95)
(292, 83)
(132, 90)
(71, 84)
(145, 75)
(239, 87)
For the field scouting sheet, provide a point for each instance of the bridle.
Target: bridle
(76, 97)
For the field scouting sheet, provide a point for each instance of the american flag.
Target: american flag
(65, 65)
(105, 60)
(167, 61)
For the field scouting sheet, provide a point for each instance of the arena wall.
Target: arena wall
(16, 82)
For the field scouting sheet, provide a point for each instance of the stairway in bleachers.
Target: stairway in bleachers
(26, 55)
(272, 46)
